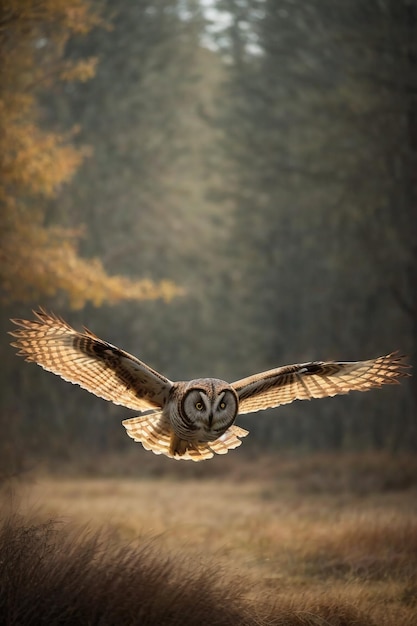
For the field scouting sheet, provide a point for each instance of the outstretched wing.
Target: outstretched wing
(154, 432)
(84, 359)
(318, 379)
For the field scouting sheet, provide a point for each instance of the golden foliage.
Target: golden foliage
(82, 71)
(37, 259)
(48, 262)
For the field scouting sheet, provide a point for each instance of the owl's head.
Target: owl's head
(209, 406)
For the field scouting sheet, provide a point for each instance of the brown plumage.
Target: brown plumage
(187, 419)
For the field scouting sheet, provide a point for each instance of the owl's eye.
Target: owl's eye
(222, 405)
(199, 406)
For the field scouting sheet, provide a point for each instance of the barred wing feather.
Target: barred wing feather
(84, 359)
(317, 379)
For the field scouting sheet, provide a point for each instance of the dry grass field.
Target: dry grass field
(329, 540)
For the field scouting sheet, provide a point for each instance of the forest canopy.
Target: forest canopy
(257, 158)
(40, 258)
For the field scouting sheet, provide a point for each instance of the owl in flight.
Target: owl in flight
(194, 419)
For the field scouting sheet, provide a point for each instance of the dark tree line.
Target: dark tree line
(272, 177)
(323, 183)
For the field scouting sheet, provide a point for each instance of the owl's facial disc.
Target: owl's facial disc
(210, 407)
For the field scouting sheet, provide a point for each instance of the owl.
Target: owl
(193, 419)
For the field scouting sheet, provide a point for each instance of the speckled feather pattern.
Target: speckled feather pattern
(86, 360)
(188, 420)
(316, 380)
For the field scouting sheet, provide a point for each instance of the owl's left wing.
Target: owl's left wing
(84, 359)
(318, 379)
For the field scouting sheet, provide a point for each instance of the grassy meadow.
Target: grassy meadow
(323, 539)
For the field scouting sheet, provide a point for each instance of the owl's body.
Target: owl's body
(187, 419)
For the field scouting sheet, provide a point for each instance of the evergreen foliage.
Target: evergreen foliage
(269, 178)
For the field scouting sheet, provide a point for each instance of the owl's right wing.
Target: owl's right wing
(317, 379)
(84, 359)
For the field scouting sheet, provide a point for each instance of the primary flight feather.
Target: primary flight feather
(194, 419)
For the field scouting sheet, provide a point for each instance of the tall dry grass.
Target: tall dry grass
(52, 576)
(284, 542)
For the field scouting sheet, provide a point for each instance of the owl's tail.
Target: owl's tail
(154, 432)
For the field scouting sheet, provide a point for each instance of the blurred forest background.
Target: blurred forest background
(219, 188)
